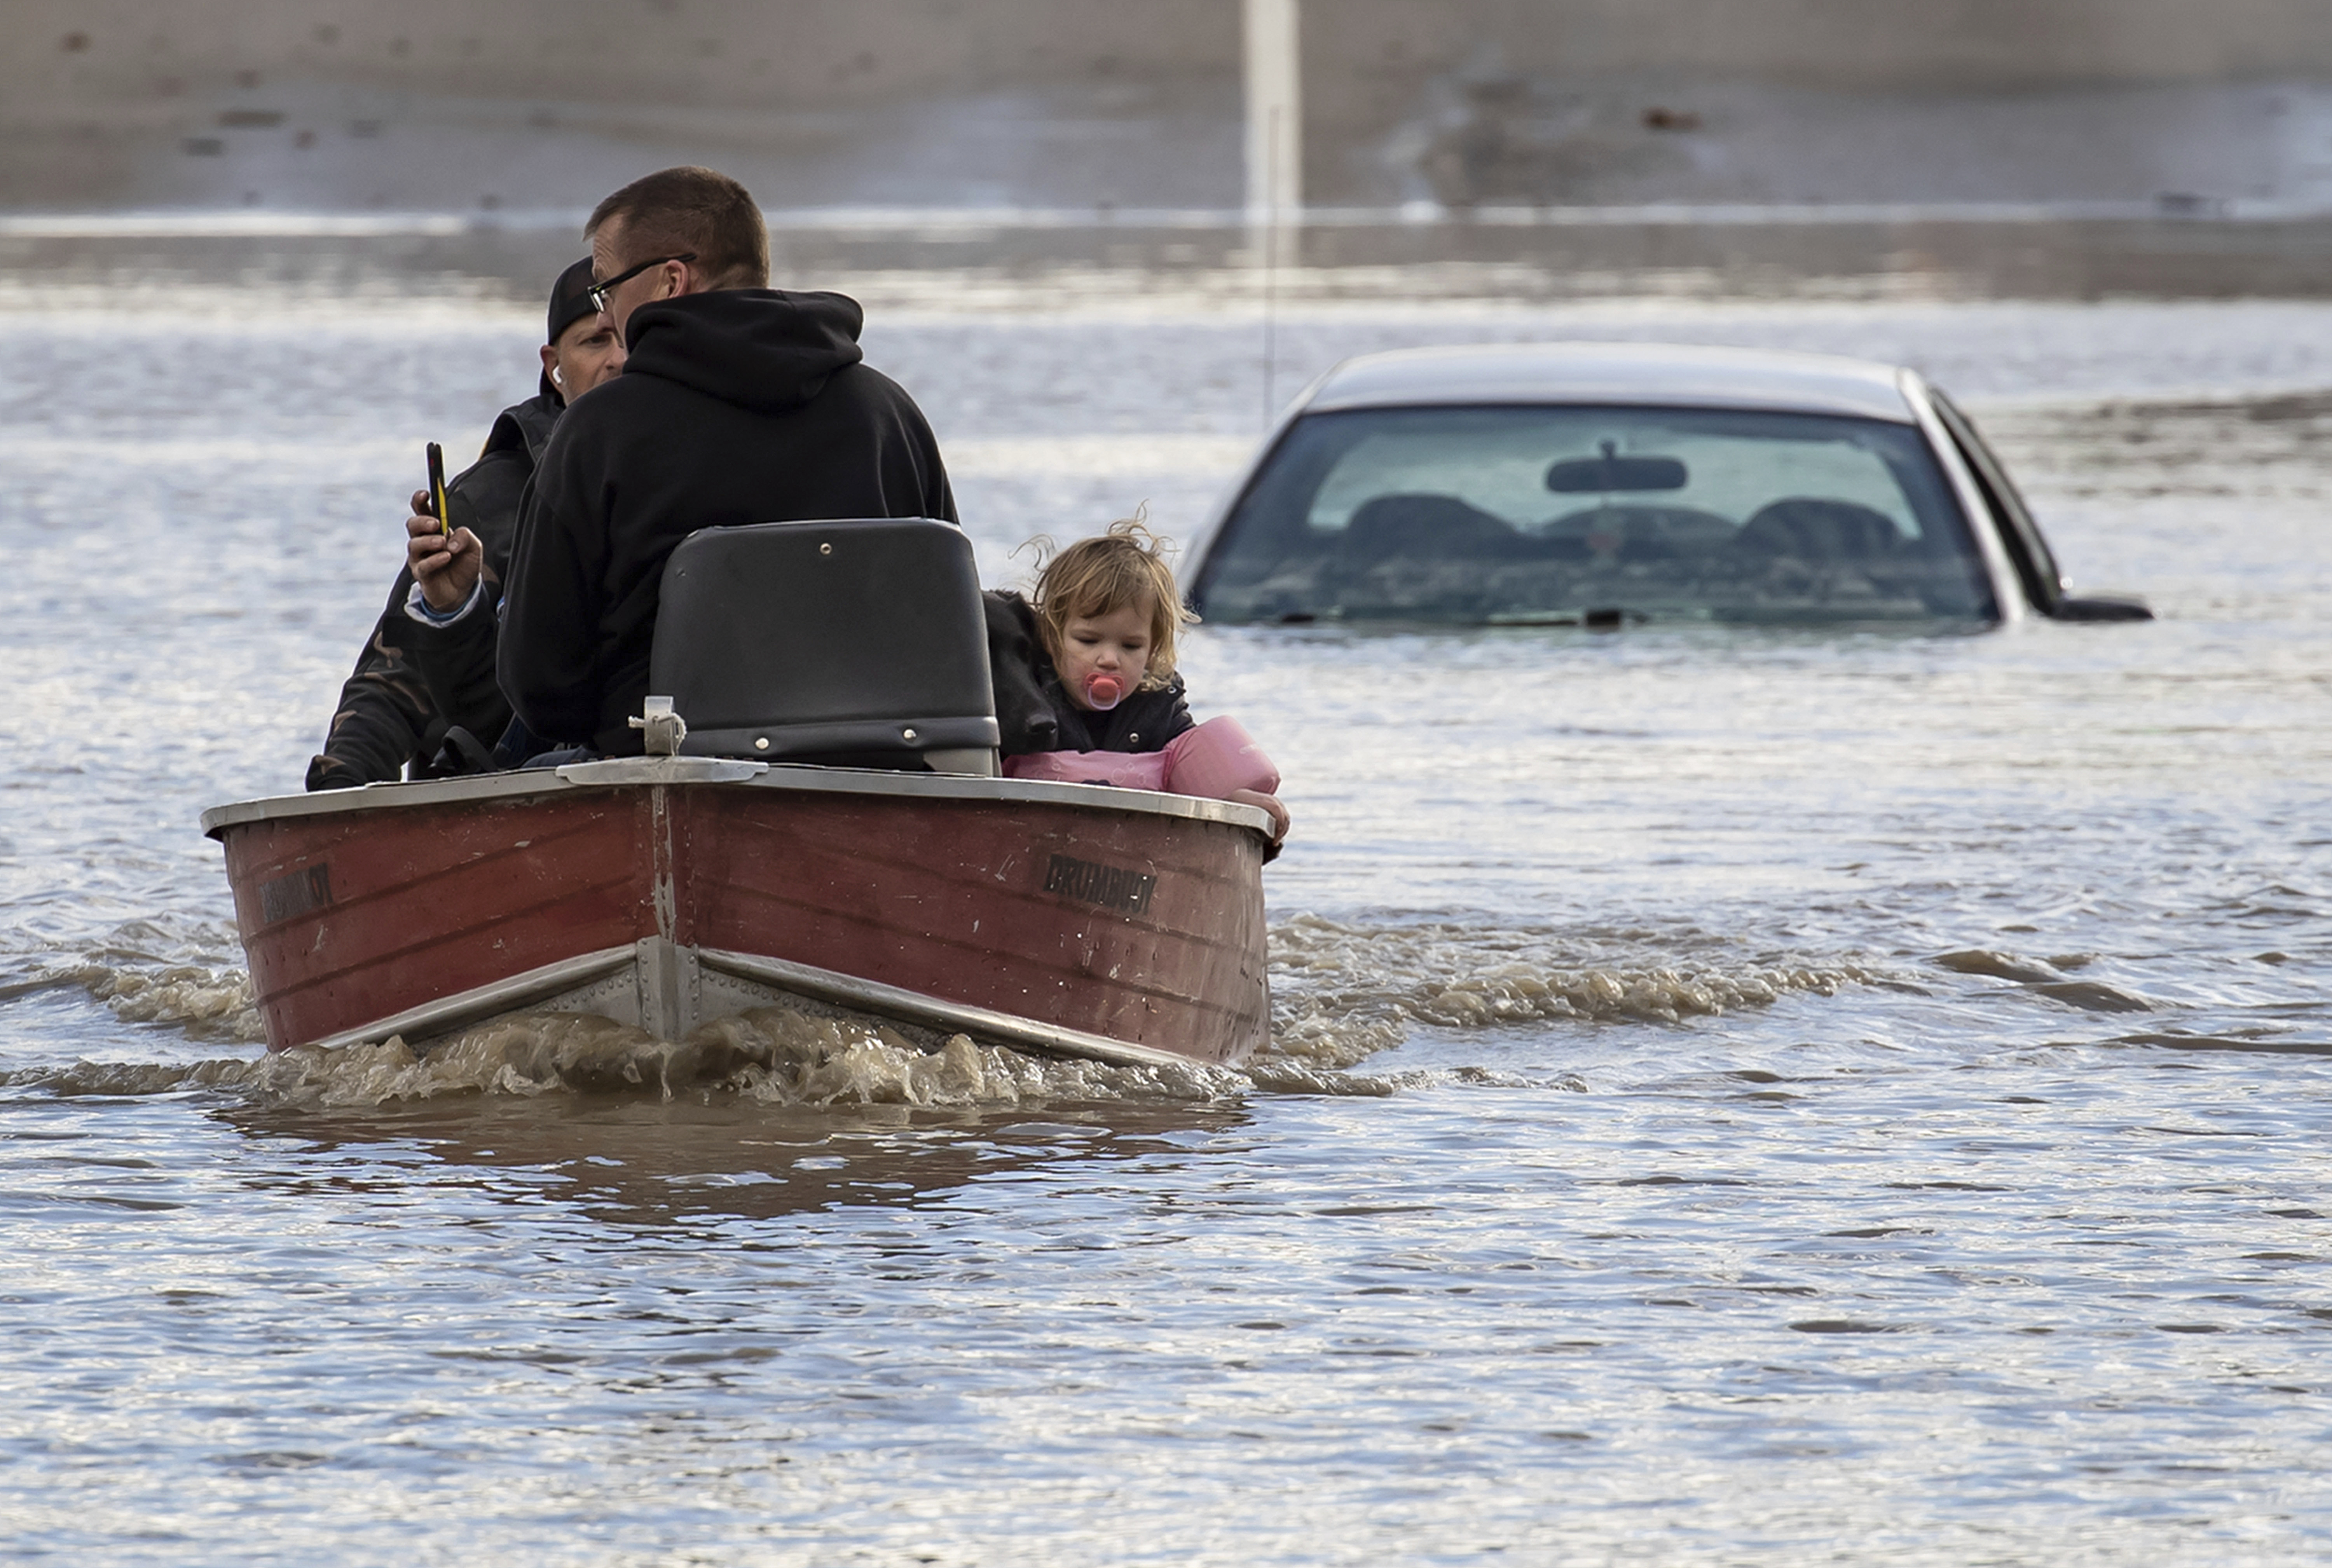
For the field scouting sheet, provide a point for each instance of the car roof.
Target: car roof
(1660, 375)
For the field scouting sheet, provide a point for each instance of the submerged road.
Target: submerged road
(1738, 1095)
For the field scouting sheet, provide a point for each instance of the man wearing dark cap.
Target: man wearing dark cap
(739, 403)
(405, 693)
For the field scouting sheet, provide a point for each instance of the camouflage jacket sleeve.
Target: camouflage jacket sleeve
(456, 663)
(385, 715)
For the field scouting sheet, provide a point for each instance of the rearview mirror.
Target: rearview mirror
(1610, 473)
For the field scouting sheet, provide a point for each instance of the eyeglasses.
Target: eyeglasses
(598, 292)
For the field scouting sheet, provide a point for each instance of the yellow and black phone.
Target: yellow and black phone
(437, 489)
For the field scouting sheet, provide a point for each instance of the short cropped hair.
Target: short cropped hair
(1105, 574)
(677, 211)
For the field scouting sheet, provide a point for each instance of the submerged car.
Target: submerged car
(1595, 484)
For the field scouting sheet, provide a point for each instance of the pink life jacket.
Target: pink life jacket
(1126, 769)
(1211, 759)
(1217, 758)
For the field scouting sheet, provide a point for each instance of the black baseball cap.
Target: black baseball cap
(570, 301)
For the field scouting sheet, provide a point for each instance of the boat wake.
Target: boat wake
(773, 1056)
(178, 973)
(1342, 993)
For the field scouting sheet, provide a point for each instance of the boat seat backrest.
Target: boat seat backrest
(859, 641)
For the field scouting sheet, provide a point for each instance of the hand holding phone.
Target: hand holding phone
(446, 565)
(437, 507)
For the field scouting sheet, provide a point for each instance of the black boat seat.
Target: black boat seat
(856, 643)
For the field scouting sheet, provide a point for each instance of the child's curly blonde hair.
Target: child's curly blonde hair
(1105, 574)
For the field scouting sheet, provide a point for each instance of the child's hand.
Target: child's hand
(1270, 804)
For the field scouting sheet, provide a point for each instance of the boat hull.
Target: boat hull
(667, 893)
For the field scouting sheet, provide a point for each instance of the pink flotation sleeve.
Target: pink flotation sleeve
(1212, 759)
(1126, 769)
(1217, 758)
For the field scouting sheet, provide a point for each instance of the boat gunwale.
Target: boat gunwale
(622, 772)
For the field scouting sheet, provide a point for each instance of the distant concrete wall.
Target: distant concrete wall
(167, 103)
(63, 55)
(1838, 45)
(167, 100)
(1374, 65)
(93, 55)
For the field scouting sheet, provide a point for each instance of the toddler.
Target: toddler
(1107, 609)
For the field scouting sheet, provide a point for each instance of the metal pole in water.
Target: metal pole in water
(1275, 155)
(1271, 300)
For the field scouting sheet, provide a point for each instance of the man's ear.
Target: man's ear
(549, 361)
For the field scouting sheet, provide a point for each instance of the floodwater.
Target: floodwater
(1736, 1096)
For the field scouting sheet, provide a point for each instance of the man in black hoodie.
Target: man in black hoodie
(739, 403)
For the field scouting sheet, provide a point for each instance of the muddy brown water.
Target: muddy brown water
(1736, 1096)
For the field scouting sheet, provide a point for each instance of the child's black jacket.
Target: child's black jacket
(1144, 721)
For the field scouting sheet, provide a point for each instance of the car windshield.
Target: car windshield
(1553, 514)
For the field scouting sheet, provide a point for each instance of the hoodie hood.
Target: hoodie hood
(765, 349)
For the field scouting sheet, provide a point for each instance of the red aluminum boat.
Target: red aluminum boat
(667, 892)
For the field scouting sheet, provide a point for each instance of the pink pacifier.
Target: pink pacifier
(1103, 693)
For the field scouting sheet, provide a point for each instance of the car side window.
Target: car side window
(2036, 566)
